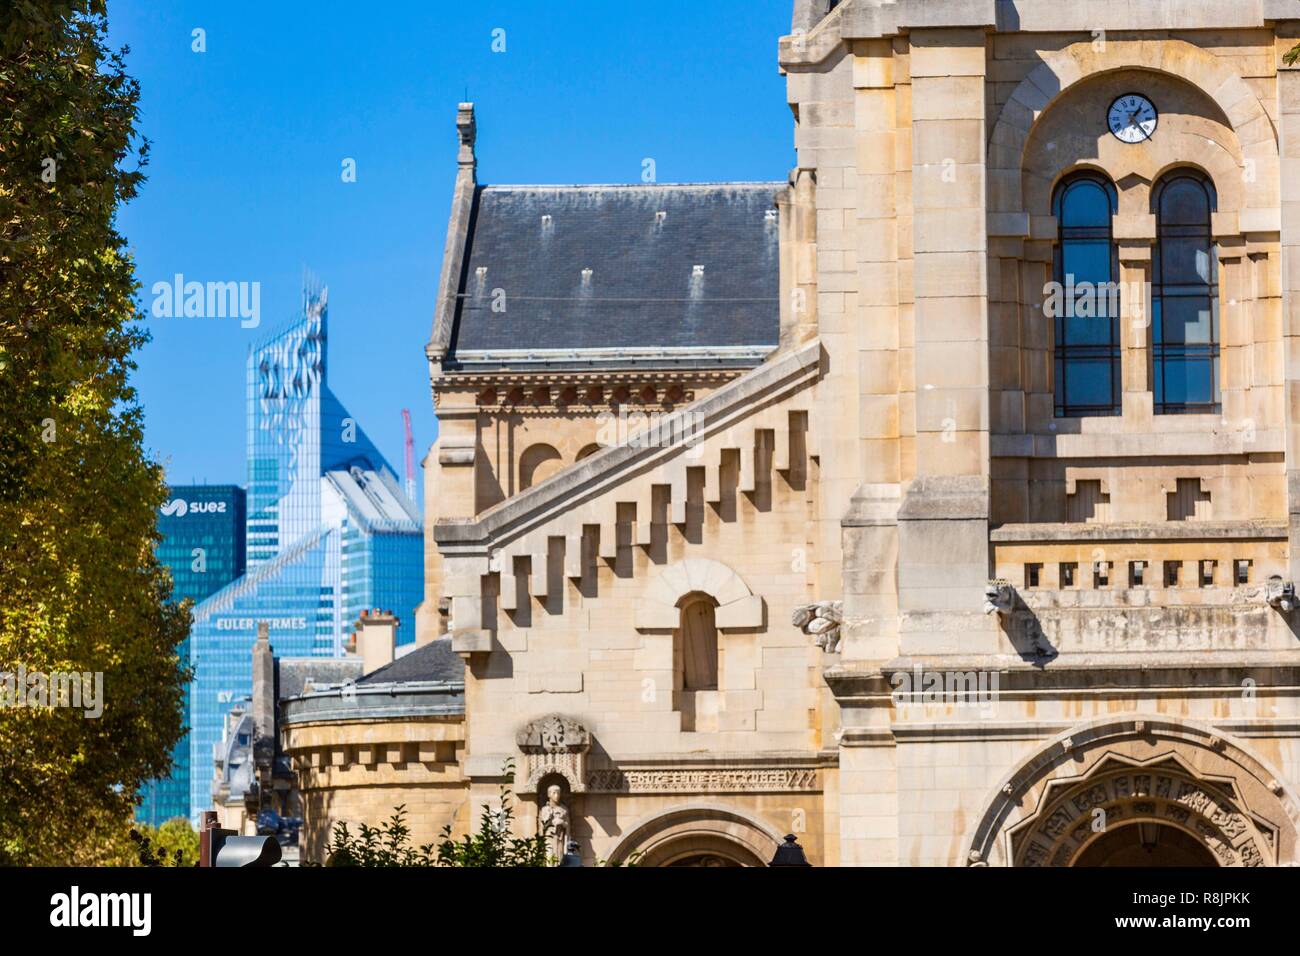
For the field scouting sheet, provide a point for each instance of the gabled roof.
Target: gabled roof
(613, 276)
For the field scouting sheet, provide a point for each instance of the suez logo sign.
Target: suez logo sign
(179, 508)
(74, 909)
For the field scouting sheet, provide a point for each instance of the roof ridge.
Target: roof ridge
(648, 186)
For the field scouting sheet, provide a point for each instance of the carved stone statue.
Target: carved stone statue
(553, 820)
(999, 597)
(821, 620)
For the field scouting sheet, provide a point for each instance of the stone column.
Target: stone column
(870, 524)
(797, 208)
(1134, 236)
(1236, 340)
(1288, 123)
(449, 492)
(826, 141)
(943, 522)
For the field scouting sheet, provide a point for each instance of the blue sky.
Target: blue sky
(250, 136)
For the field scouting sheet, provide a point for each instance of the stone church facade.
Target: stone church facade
(935, 505)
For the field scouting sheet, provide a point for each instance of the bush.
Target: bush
(173, 844)
(491, 845)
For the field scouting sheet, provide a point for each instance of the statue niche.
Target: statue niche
(553, 822)
(553, 744)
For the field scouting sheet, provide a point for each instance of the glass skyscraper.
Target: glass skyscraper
(329, 532)
(202, 528)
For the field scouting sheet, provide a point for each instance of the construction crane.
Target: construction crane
(410, 456)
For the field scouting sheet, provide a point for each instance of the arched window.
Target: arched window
(1184, 296)
(1086, 309)
(698, 634)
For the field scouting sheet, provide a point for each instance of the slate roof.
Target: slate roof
(293, 674)
(435, 661)
(679, 275)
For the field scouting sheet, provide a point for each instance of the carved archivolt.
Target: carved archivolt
(690, 828)
(553, 744)
(1116, 772)
(1078, 812)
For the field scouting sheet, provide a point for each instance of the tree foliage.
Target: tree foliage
(80, 587)
(174, 843)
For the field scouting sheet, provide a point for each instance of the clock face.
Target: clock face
(1132, 118)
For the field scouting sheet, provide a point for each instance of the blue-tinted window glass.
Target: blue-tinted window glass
(1086, 360)
(1086, 202)
(1185, 296)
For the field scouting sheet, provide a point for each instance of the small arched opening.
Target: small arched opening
(537, 463)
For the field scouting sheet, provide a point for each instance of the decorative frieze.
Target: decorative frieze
(705, 780)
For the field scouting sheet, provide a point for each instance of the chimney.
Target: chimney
(376, 633)
(263, 683)
(467, 130)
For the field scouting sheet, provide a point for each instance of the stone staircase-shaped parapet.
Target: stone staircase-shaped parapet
(615, 497)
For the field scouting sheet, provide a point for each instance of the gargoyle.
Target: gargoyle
(821, 620)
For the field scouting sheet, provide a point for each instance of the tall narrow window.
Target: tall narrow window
(1185, 296)
(1086, 307)
(699, 643)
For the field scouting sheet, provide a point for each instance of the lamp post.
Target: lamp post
(789, 853)
(571, 857)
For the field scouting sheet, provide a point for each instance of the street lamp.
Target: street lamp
(572, 857)
(789, 853)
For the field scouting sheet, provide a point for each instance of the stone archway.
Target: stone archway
(1202, 793)
(1064, 69)
(1078, 815)
(698, 835)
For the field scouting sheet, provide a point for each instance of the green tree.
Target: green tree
(80, 587)
(1291, 55)
(174, 843)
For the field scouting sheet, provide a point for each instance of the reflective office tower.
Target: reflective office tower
(329, 532)
(202, 528)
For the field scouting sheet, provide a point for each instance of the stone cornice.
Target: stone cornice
(1190, 436)
(472, 381)
(375, 702)
(704, 357)
(869, 19)
(862, 684)
(1159, 531)
(803, 51)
